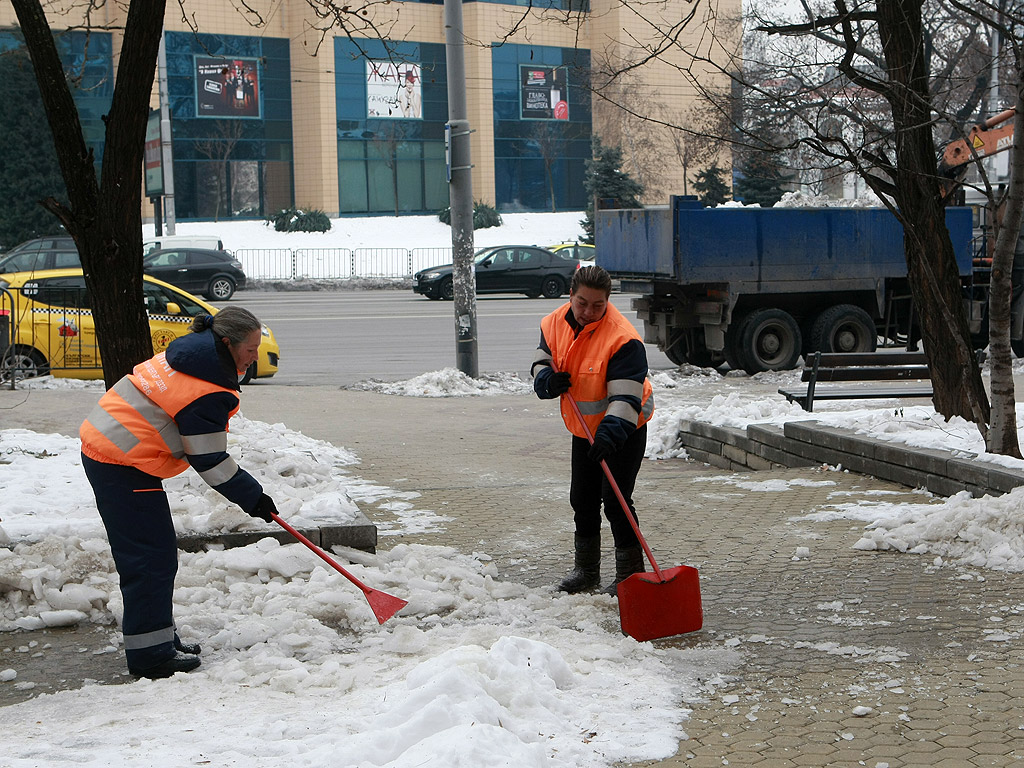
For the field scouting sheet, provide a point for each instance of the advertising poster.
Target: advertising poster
(393, 90)
(544, 93)
(227, 87)
(152, 157)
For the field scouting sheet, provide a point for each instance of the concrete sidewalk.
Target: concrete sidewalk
(848, 658)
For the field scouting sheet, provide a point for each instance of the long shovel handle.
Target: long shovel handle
(615, 486)
(384, 606)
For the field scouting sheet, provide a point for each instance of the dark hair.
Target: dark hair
(232, 323)
(591, 276)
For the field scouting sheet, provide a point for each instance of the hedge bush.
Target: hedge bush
(484, 216)
(295, 220)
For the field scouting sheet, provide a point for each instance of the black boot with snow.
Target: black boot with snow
(586, 573)
(628, 560)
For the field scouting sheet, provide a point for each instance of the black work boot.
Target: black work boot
(179, 662)
(192, 648)
(586, 573)
(628, 560)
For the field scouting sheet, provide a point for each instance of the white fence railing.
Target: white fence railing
(338, 263)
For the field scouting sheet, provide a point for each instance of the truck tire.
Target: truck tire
(769, 340)
(844, 328)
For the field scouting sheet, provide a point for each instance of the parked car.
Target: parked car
(581, 251)
(166, 242)
(214, 274)
(56, 252)
(52, 325)
(525, 269)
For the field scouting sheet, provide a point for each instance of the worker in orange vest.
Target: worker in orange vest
(170, 413)
(590, 351)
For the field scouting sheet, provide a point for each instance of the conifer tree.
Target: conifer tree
(710, 186)
(762, 180)
(29, 171)
(606, 182)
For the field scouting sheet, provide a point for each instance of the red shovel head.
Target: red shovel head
(649, 608)
(383, 605)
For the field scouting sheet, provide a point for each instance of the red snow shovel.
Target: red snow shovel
(384, 605)
(652, 605)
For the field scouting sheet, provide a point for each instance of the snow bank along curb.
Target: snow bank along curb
(362, 534)
(809, 443)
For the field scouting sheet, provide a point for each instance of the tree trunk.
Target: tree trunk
(1002, 437)
(931, 263)
(104, 218)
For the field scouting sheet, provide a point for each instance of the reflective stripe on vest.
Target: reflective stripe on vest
(133, 423)
(585, 357)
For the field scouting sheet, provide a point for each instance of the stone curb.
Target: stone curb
(362, 534)
(808, 443)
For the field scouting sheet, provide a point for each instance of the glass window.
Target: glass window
(66, 259)
(167, 259)
(60, 292)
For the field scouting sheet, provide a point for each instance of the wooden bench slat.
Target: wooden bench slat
(855, 393)
(867, 373)
(831, 359)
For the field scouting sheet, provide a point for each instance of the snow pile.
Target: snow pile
(806, 200)
(449, 382)
(45, 490)
(473, 671)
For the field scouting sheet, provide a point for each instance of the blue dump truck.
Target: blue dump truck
(758, 287)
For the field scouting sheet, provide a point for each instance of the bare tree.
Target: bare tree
(546, 136)
(219, 147)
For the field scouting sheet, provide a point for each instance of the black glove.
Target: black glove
(600, 451)
(263, 509)
(558, 383)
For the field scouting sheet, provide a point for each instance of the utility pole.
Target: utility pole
(165, 137)
(460, 193)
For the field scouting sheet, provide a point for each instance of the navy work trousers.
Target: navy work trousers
(590, 488)
(137, 517)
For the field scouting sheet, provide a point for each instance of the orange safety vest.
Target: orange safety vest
(586, 357)
(133, 423)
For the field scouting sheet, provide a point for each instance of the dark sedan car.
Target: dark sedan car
(505, 269)
(214, 274)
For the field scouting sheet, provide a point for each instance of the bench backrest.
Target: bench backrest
(869, 366)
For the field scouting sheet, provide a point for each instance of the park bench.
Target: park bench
(907, 370)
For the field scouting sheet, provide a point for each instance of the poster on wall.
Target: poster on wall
(393, 90)
(544, 93)
(153, 157)
(227, 87)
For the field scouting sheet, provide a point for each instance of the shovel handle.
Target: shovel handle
(615, 486)
(320, 553)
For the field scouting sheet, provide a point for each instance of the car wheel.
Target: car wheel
(448, 289)
(23, 363)
(249, 375)
(552, 287)
(221, 288)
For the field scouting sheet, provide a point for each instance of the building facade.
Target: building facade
(290, 111)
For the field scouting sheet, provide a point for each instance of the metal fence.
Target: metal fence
(338, 263)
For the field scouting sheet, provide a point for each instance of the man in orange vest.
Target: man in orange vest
(590, 351)
(170, 413)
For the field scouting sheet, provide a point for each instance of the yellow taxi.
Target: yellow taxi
(46, 324)
(582, 251)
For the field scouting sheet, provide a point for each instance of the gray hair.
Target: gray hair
(232, 323)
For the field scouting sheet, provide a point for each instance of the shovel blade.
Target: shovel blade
(383, 605)
(649, 608)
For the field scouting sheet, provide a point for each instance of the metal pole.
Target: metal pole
(460, 193)
(167, 158)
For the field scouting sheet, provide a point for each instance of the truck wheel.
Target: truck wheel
(732, 351)
(769, 341)
(844, 328)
